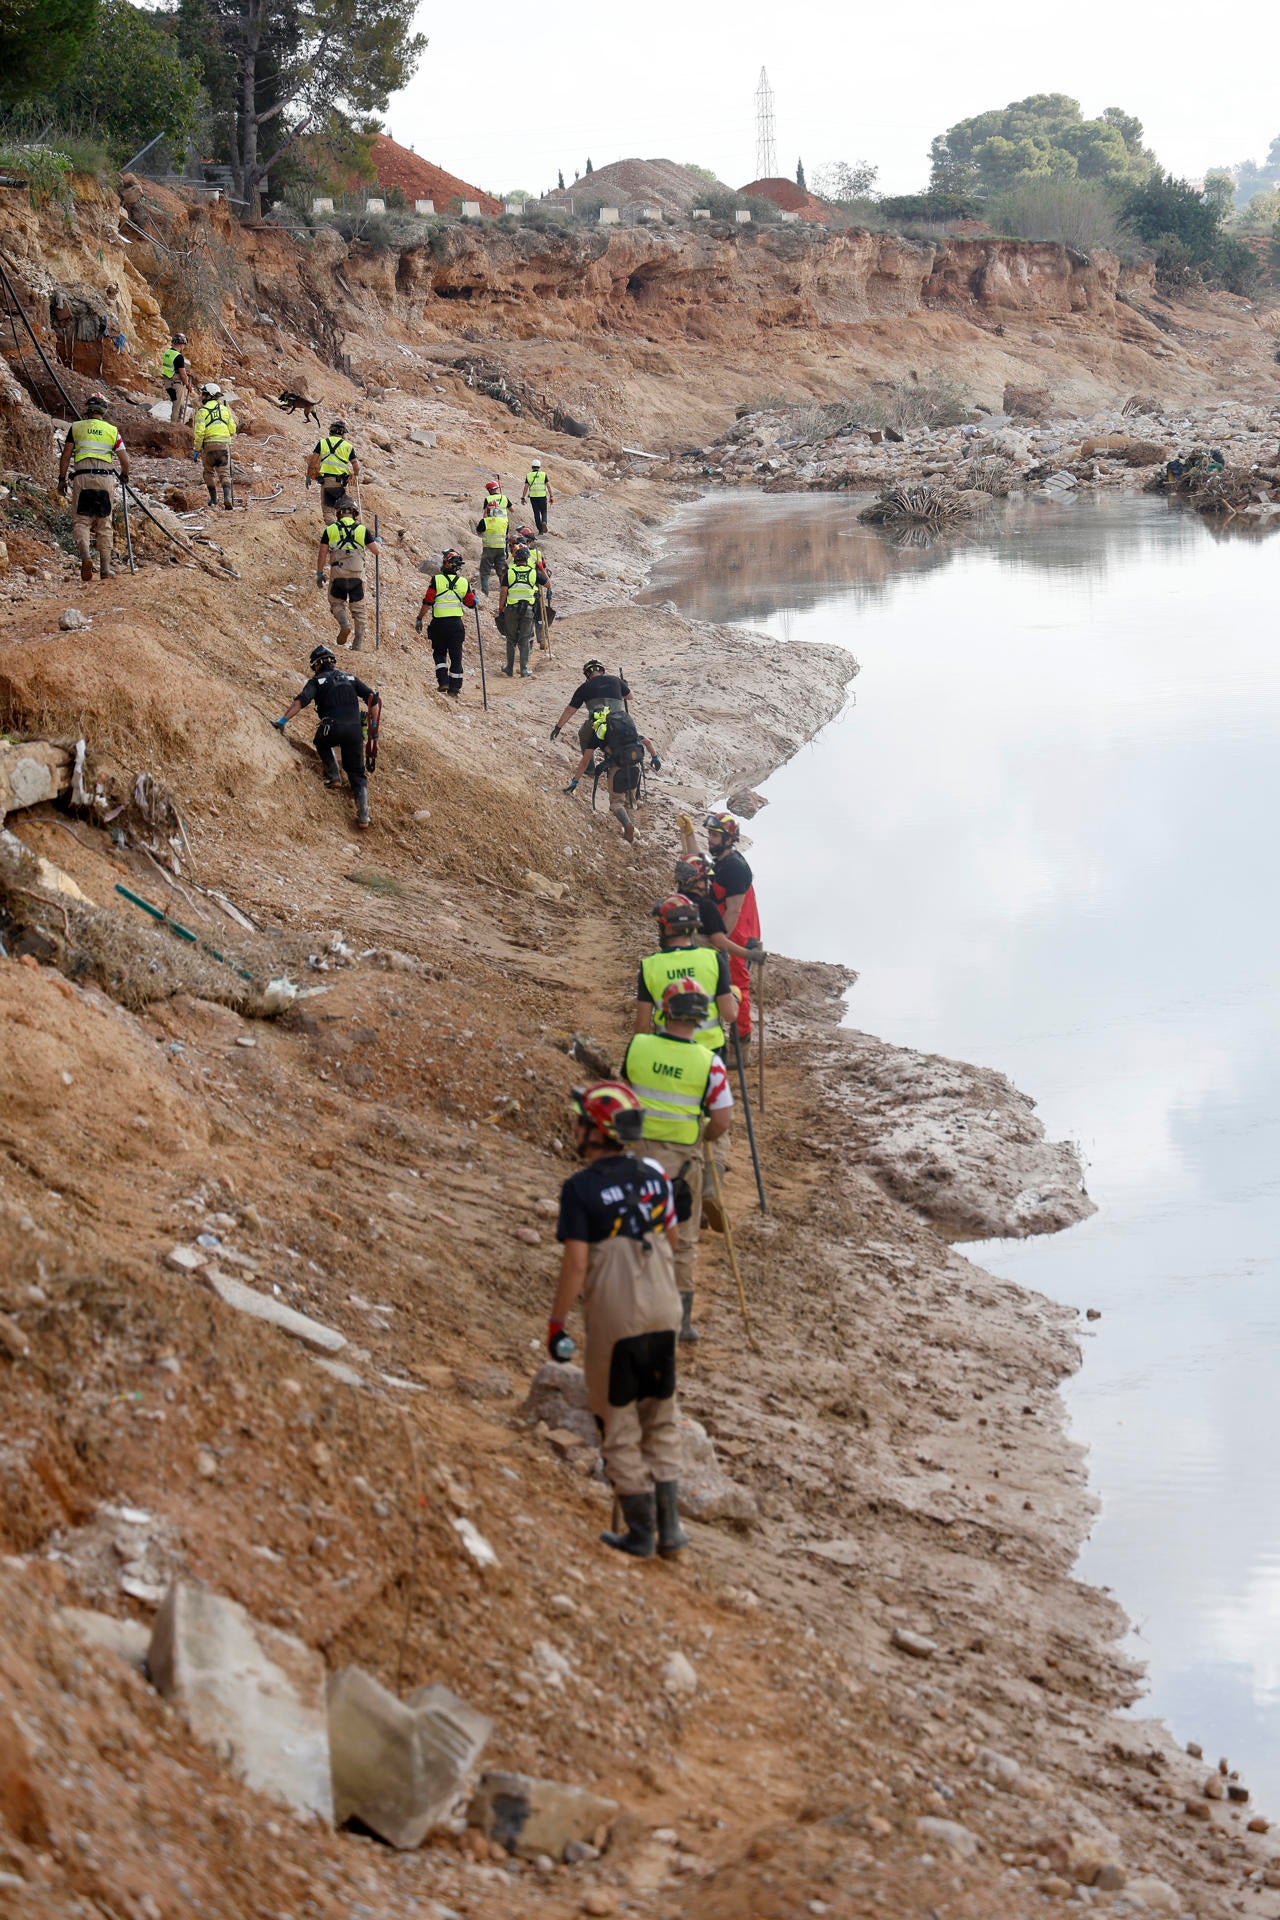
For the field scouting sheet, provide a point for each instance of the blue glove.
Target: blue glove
(195, 459)
(655, 764)
(319, 578)
(279, 725)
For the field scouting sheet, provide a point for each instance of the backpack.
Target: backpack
(620, 748)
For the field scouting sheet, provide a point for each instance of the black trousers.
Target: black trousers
(539, 505)
(446, 637)
(332, 739)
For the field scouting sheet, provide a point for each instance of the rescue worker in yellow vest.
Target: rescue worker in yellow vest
(520, 584)
(448, 594)
(537, 491)
(178, 383)
(215, 429)
(683, 950)
(343, 546)
(97, 450)
(495, 518)
(332, 461)
(684, 1090)
(525, 536)
(617, 1230)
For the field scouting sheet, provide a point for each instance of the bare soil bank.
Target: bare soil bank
(387, 1156)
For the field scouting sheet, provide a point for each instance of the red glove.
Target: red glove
(560, 1345)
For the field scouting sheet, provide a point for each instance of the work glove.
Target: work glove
(417, 625)
(195, 459)
(279, 724)
(555, 732)
(497, 621)
(756, 949)
(560, 1345)
(684, 822)
(64, 487)
(655, 765)
(319, 577)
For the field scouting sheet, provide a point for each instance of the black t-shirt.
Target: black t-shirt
(178, 363)
(723, 981)
(732, 873)
(600, 687)
(337, 696)
(709, 914)
(615, 1197)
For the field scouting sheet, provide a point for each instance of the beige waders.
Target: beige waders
(92, 501)
(632, 1310)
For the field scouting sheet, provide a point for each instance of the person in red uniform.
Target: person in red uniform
(733, 889)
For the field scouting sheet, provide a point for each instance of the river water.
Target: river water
(1044, 833)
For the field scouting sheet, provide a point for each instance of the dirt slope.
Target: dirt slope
(386, 1156)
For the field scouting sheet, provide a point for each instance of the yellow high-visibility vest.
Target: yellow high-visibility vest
(695, 963)
(522, 586)
(94, 442)
(671, 1078)
(335, 458)
(451, 592)
(537, 483)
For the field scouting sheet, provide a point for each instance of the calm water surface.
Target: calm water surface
(1044, 831)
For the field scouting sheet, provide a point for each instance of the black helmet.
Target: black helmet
(96, 403)
(450, 558)
(685, 1000)
(179, 339)
(694, 872)
(591, 667)
(322, 658)
(337, 426)
(521, 553)
(345, 506)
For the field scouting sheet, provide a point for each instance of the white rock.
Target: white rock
(474, 1542)
(398, 1765)
(185, 1259)
(948, 1833)
(265, 1306)
(998, 1768)
(1156, 1896)
(72, 620)
(678, 1675)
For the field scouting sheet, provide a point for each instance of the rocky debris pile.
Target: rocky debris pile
(829, 449)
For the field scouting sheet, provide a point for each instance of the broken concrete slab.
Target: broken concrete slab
(530, 1816)
(127, 1640)
(254, 1694)
(265, 1306)
(32, 771)
(398, 1765)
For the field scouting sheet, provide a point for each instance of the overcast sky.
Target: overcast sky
(573, 78)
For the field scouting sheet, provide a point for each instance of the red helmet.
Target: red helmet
(526, 533)
(611, 1108)
(677, 914)
(491, 486)
(693, 871)
(723, 825)
(685, 1000)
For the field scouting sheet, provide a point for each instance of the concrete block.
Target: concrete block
(609, 216)
(398, 1765)
(127, 1640)
(513, 206)
(529, 1816)
(471, 210)
(783, 214)
(265, 1306)
(254, 1694)
(742, 217)
(32, 771)
(322, 206)
(700, 213)
(375, 205)
(424, 206)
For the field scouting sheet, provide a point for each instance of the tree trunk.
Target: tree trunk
(248, 183)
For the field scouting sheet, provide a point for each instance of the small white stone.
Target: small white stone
(678, 1675)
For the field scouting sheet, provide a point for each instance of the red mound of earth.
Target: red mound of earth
(791, 198)
(417, 179)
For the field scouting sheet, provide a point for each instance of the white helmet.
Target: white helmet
(211, 389)
(535, 463)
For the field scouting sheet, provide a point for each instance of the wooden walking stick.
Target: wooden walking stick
(377, 589)
(545, 642)
(128, 537)
(746, 1114)
(710, 1159)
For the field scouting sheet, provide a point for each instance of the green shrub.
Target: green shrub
(930, 206)
(47, 171)
(1236, 266)
(1075, 213)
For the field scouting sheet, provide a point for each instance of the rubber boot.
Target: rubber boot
(86, 567)
(104, 568)
(213, 496)
(362, 807)
(228, 503)
(671, 1535)
(639, 1512)
(688, 1332)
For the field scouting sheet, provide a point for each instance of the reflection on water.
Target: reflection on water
(1045, 837)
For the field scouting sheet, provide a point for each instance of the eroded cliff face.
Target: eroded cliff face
(702, 286)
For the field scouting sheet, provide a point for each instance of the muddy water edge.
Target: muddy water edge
(1041, 832)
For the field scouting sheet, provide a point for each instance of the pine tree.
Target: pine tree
(590, 168)
(800, 179)
(560, 180)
